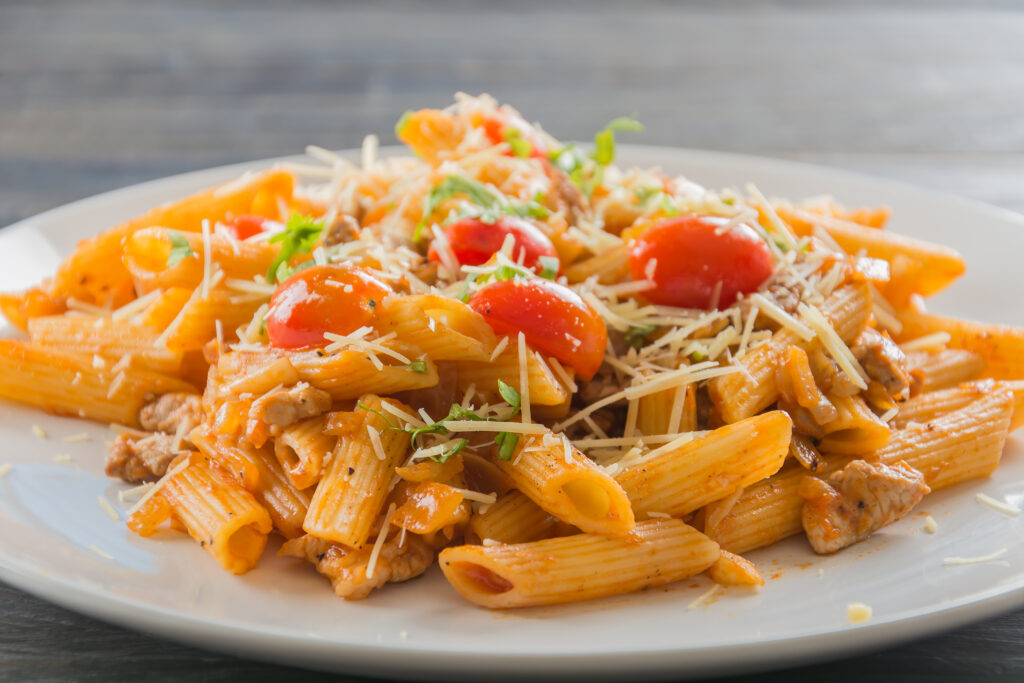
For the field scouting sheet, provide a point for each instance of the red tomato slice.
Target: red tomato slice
(245, 226)
(500, 127)
(692, 259)
(474, 242)
(306, 305)
(554, 319)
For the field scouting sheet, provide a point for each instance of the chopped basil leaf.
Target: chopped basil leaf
(436, 428)
(510, 395)
(550, 265)
(180, 249)
(506, 272)
(506, 444)
(604, 140)
(298, 237)
(418, 366)
(637, 336)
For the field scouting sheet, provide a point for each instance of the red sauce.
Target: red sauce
(484, 578)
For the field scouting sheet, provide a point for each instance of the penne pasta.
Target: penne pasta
(579, 567)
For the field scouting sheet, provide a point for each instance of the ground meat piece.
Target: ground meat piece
(344, 229)
(346, 567)
(167, 413)
(282, 407)
(856, 501)
(135, 457)
(565, 196)
(882, 360)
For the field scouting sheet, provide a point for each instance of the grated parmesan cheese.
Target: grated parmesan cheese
(38, 431)
(499, 347)
(378, 447)
(704, 598)
(981, 559)
(476, 496)
(997, 505)
(936, 340)
(107, 508)
(382, 536)
(101, 553)
(4, 469)
(74, 438)
(858, 613)
(930, 525)
(524, 380)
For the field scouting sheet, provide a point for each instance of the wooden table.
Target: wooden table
(94, 96)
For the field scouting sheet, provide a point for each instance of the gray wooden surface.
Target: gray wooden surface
(97, 95)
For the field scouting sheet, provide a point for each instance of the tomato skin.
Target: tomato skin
(495, 127)
(553, 318)
(692, 259)
(245, 226)
(474, 242)
(304, 306)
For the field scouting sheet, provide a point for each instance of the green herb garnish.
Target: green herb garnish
(521, 147)
(180, 248)
(298, 237)
(549, 267)
(511, 396)
(637, 336)
(402, 123)
(418, 366)
(506, 444)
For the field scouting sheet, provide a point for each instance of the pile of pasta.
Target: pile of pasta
(504, 354)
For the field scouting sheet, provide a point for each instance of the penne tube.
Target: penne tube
(350, 374)
(301, 449)
(107, 338)
(355, 483)
(1000, 346)
(579, 567)
(942, 369)
(441, 328)
(679, 479)
(224, 518)
(513, 518)
(563, 481)
(196, 323)
(668, 412)
(71, 384)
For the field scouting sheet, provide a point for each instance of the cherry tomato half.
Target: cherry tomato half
(245, 226)
(306, 305)
(474, 242)
(692, 258)
(500, 128)
(554, 319)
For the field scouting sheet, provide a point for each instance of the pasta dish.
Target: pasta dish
(557, 378)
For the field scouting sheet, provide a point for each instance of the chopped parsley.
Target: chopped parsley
(506, 444)
(180, 249)
(637, 336)
(418, 366)
(511, 396)
(298, 237)
(521, 147)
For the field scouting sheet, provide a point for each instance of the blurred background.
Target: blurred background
(98, 95)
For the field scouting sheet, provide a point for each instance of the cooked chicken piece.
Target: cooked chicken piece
(346, 568)
(167, 413)
(883, 360)
(344, 229)
(282, 407)
(856, 501)
(135, 458)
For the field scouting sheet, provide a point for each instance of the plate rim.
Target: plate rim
(762, 655)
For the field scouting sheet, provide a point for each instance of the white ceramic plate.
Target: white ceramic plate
(50, 520)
